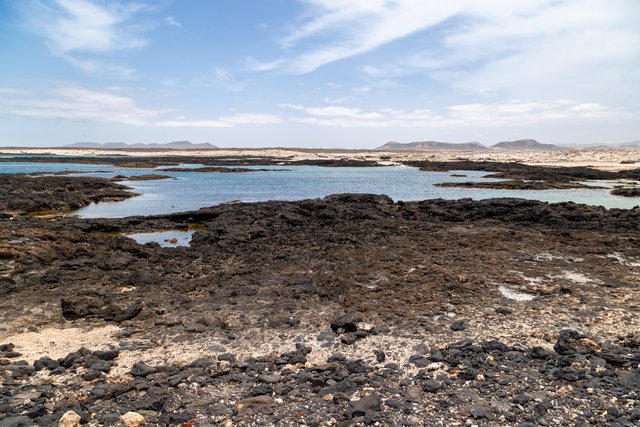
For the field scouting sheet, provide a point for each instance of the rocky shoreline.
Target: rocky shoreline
(20, 193)
(518, 184)
(347, 310)
(519, 176)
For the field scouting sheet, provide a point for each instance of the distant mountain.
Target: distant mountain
(432, 145)
(632, 144)
(175, 145)
(524, 145)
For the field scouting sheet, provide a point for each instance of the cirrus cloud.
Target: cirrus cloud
(75, 103)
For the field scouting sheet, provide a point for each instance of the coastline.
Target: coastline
(600, 159)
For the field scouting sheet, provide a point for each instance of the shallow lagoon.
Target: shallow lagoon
(194, 190)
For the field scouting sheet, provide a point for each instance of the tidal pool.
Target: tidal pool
(166, 239)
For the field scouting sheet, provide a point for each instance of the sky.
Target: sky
(319, 73)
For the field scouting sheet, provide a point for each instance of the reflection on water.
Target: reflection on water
(166, 239)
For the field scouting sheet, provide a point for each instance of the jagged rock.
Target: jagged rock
(79, 307)
(360, 407)
(141, 369)
(346, 323)
(570, 342)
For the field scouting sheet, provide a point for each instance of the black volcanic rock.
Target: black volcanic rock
(626, 191)
(20, 194)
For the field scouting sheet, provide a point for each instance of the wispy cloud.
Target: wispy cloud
(220, 78)
(501, 48)
(355, 27)
(172, 22)
(75, 103)
(513, 114)
(13, 91)
(81, 104)
(82, 31)
(225, 121)
(253, 64)
(530, 48)
(335, 100)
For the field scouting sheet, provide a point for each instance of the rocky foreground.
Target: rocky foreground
(348, 310)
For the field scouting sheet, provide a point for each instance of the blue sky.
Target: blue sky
(319, 73)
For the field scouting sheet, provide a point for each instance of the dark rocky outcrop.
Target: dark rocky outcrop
(20, 194)
(626, 191)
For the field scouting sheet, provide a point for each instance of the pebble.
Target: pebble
(132, 419)
(69, 419)
(458, 325)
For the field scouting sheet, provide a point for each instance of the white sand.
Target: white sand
(601, 159)
(57, 343)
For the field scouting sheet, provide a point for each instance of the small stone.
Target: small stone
(69, 419)
(503, 310)
(477, 411)
(458, 325)
(348, 338)
(101, 365)
(91, 375)
(419, 361)
(269, 378)
(326, 336)
(141, 369)
(360, 407)
(346, 323)
(494, 345)
(132, 419)
(303, 349)
(107, 354)
(257, 404)
(571, 342)
(431, 386)
(380, 356)
(196, 328)
(227, 357)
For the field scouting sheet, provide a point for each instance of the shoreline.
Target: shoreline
(600, 159)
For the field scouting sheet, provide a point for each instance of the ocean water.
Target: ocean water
(194, 190)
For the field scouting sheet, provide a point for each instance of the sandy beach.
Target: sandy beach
(601, 159)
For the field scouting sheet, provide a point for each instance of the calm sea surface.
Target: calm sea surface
(193, 190)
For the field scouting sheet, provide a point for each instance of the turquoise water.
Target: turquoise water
(193, 190)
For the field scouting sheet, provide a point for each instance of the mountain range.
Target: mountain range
(518, 145)
(174, 145)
